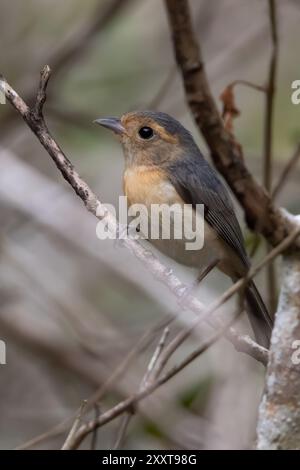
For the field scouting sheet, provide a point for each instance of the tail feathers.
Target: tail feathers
(258, 315)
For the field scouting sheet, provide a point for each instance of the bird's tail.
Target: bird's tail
(258, 315)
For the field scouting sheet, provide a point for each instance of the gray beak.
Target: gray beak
(112, 123)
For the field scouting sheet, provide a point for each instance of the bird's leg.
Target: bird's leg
(189, 289)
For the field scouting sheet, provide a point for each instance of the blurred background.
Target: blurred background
(71, 306)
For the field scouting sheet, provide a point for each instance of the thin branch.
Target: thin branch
(152, 386)
(239, 285)
(95, 432)
(73, 48)
(286, 172)
(36, 122)
(100, 392)
(226, 152)
(268, 139)
(152, 372)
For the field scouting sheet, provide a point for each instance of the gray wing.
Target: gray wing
(198, 183)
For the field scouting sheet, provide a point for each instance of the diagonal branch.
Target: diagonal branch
(226, 152)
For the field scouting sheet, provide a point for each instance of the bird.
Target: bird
(164, 165)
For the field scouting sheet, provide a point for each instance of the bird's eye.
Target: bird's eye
(146, 132)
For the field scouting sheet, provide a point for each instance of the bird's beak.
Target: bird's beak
(112, 123)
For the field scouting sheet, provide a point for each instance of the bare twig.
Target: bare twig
(279, 412)
(74, 427)
(162, 91)
(36, 123)
(99, 19)
(225, 151)
(123, 428)
(247, 343)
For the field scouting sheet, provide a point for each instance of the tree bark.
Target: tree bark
(279, 412)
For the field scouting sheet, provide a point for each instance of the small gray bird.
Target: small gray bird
(164, 165)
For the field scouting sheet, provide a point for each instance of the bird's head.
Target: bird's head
(149, 137)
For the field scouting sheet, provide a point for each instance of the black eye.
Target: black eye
(146, 132)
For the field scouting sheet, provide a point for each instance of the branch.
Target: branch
(226, 152)
(270, 94)
(35, 120)
(261, 352)
(75, 426)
